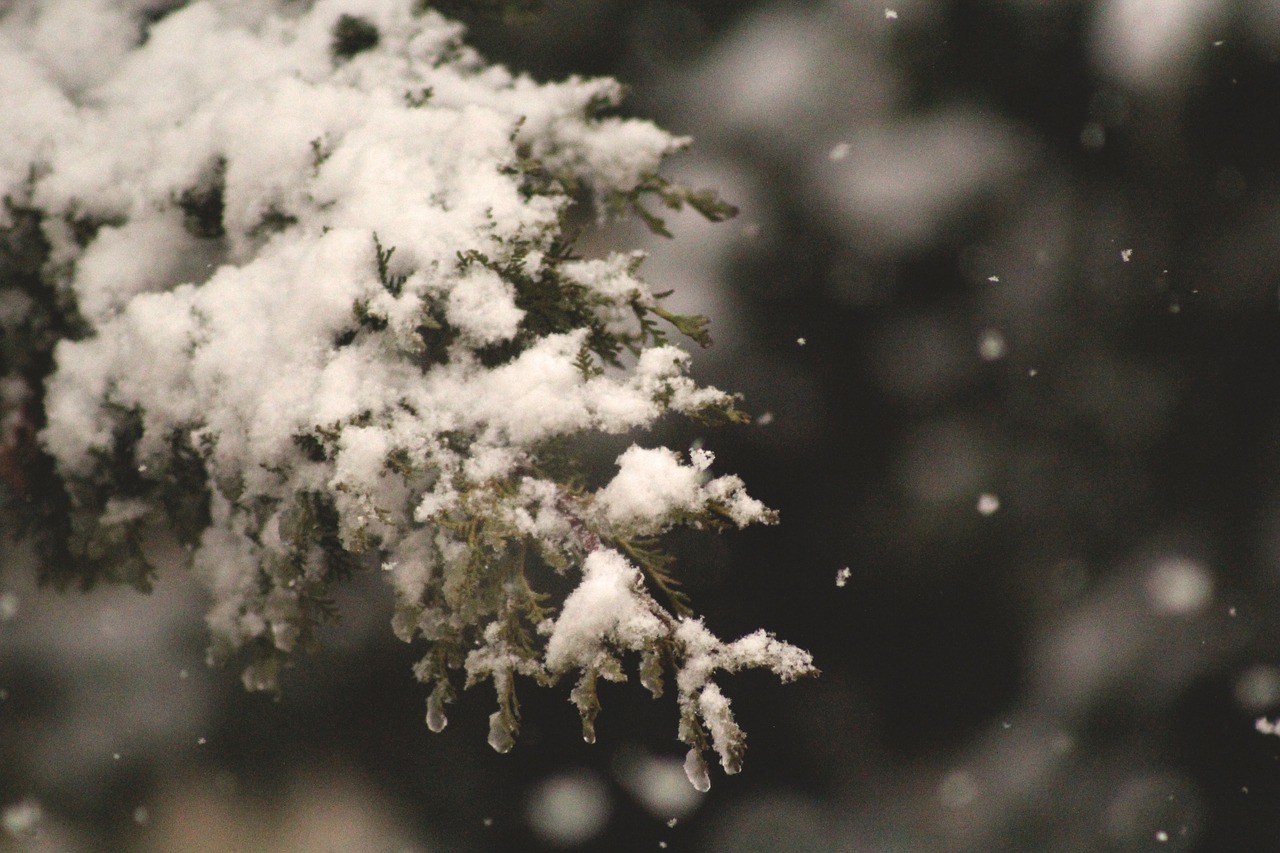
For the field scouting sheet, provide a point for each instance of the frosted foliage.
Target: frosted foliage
(608, 609)
(482, 306)
(652, 486)
(330, 321)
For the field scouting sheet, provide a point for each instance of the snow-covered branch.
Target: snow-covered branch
(316, 311)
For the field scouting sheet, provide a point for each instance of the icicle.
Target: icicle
(584, 698)
(500, 733)
(696, 769)
(436, 718)
(651, 672)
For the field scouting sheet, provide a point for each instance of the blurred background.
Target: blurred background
(1004, 300)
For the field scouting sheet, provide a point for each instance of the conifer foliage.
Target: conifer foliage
(297, 284)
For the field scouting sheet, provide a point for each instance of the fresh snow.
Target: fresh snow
(256, 234)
